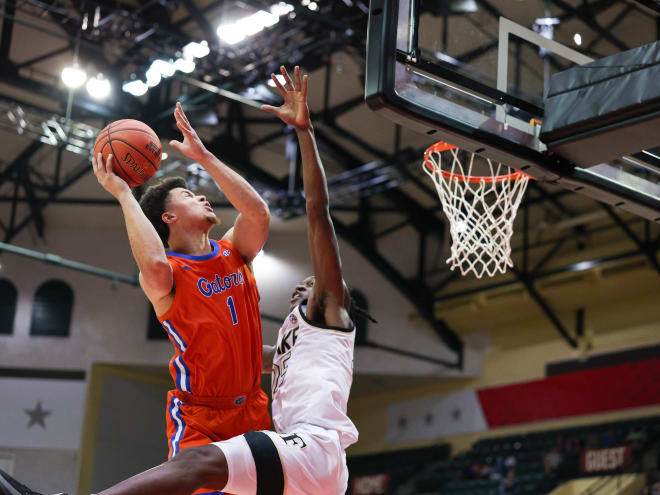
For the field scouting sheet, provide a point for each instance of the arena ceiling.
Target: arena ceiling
(382, 203)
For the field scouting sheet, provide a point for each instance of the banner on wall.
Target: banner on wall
(609, 459)
(41, 413)
(592, 391)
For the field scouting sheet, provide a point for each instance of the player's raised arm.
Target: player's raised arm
(330, 294)
(251, 227)
(156, 276)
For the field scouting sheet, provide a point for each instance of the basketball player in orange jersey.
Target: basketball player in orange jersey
(203, 293)
(312, 367)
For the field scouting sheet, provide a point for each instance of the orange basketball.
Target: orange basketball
(135, 149)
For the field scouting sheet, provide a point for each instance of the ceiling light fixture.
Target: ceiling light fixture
(98, 87)
(196, 50)
(184, 65)
(247, 26)
(73, 77)
(135, 87)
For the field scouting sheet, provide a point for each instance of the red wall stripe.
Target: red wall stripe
(573, 394)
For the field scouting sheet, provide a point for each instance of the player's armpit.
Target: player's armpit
(158, 285)
(267, 362)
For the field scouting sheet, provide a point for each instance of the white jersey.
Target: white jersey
(312, 376)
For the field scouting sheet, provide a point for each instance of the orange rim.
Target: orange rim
(441, 146)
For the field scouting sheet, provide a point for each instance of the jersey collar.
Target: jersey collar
(212, 254)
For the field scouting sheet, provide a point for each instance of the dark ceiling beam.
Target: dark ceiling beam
(593, 8)
(490, 8)
(127, 106)
(7, 31)
(528, 281)
(609, 27)
(24, 178)
(478, 52)
(83, 169)
(202, 11)
(651, 4)
(201, 21)
(419, 217)
(20, 161)
(583, 14)
(643, 246)
(43, 57)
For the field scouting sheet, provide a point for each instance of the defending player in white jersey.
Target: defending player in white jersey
(312, 371)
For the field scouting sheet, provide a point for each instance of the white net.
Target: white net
(481, 209)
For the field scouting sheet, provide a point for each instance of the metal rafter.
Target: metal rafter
(317, 36)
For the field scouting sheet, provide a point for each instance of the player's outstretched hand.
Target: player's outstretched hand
(294, 110)
(110, 181)
(191, 146)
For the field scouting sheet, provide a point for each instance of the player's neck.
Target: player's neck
(190, 243)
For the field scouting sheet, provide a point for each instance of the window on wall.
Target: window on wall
(8, 296)
(51, 309)
(155, 330)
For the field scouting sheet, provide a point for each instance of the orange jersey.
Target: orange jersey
(214, 324)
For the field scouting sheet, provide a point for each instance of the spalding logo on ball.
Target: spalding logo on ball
(135, 149)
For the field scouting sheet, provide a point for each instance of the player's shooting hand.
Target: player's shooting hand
(191, 146)
(110, 181)
(294, 110)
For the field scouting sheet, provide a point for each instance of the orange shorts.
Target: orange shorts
(193, 421)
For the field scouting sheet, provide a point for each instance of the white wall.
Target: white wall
(109, 320)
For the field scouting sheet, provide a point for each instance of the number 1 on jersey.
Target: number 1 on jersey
(232, 309)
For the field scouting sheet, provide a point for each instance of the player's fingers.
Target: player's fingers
(296, 72)
(176, 144)
(185, 130)
(278, 85)
(287, 79)
(94, 166)
(182, 114)
(304, 88)
(270, 108)
(108, 164)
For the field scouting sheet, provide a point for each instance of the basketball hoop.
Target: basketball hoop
(480, 208)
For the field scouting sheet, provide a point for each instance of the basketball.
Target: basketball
(135, 147)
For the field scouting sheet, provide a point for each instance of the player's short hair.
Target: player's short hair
(153, 202)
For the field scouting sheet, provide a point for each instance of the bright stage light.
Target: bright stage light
(153, 77)
(281, 8)
(164, 67)
(98, 87)
(73, 77)
(196, 50)
(184, 65)
(248, 26)
(231, 33)
(136, 87)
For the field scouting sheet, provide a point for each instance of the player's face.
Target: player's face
(302, 291)
(190, 208)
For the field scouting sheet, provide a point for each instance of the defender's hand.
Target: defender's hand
(110, 181)
(191, 146)
(294, 111)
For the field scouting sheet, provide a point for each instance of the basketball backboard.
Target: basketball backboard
(474, 73)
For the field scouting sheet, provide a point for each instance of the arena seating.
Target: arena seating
(461, 474)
